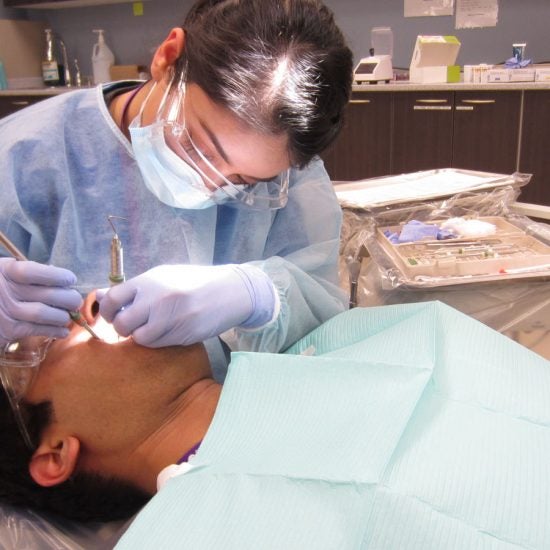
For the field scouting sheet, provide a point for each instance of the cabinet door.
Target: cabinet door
(10, 104)
(362, 150)
(535, 146)
(486, 130)
(422, 131)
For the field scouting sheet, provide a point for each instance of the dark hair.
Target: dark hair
(281, 66)
(83, 497)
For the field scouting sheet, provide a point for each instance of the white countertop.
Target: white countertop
(406, 86)
(52, 90)
(393, 86)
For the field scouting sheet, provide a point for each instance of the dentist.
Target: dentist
(231, 230)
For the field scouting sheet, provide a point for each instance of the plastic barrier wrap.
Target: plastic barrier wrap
(21, 528)
(511, 296)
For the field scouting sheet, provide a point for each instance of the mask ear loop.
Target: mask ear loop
(172, 107)
(161, 104)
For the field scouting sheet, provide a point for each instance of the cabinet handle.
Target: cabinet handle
(18, 103)
(478, 101)
(358, 101)
(431, 101)
(432, 107)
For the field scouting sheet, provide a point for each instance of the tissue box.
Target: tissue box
(434, 58)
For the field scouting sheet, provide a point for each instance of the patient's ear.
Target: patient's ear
(53, 463)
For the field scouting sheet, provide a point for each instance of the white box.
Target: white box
(522, 75)
(542, 74)
(498, 75)
(476, 74)
(434, 58)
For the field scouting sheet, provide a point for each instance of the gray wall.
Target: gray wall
(133, 39)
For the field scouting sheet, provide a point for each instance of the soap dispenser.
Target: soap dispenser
(102, 59)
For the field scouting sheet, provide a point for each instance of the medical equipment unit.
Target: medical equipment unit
(116, 275)
(18, 255)
(377, 67)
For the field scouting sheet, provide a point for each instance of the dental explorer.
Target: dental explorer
(116, 275)
(76, 316)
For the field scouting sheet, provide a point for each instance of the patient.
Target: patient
(104, 419)
(406, 426)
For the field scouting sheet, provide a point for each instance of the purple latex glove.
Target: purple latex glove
(417, 231)
(35, 299)
(184, 304)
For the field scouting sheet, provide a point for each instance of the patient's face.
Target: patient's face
(114, 391)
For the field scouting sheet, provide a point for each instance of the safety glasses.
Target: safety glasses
(19, 363)
(263, 195)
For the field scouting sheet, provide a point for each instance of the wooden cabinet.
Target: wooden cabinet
(534, 155)
(11, 103)
(499, 131)
(422, 131)
(486, 130)
(471, 130)
(363, 148)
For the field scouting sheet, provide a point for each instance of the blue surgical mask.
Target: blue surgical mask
(166, 175)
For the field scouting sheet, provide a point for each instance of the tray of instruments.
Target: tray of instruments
(507, 253)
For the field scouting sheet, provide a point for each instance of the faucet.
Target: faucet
(77, 75)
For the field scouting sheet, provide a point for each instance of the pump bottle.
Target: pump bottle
(52, 69)
(102, 59)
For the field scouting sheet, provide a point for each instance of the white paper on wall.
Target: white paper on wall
(472, 14)
(422, 8)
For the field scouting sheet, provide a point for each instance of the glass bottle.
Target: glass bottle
(52, 69)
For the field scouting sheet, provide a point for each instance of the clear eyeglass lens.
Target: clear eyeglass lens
(273, 194)
(20, 360)
(19, 363)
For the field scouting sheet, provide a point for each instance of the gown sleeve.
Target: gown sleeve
(301, 259)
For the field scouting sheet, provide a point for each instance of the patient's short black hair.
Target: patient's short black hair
(83, 497)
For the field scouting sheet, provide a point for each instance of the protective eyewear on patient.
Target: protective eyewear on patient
(19, 364)
(271, 194)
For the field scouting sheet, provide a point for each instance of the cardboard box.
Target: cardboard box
(22, 45)
(124, 72)
(434, 58)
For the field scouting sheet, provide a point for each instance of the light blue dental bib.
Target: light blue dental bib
(413, 427)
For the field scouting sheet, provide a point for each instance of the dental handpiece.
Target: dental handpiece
(76, 316)
(116, 275)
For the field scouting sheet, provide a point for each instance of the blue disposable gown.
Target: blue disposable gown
(66, 167)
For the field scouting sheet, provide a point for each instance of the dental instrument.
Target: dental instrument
(116, 275)
(76, 316)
